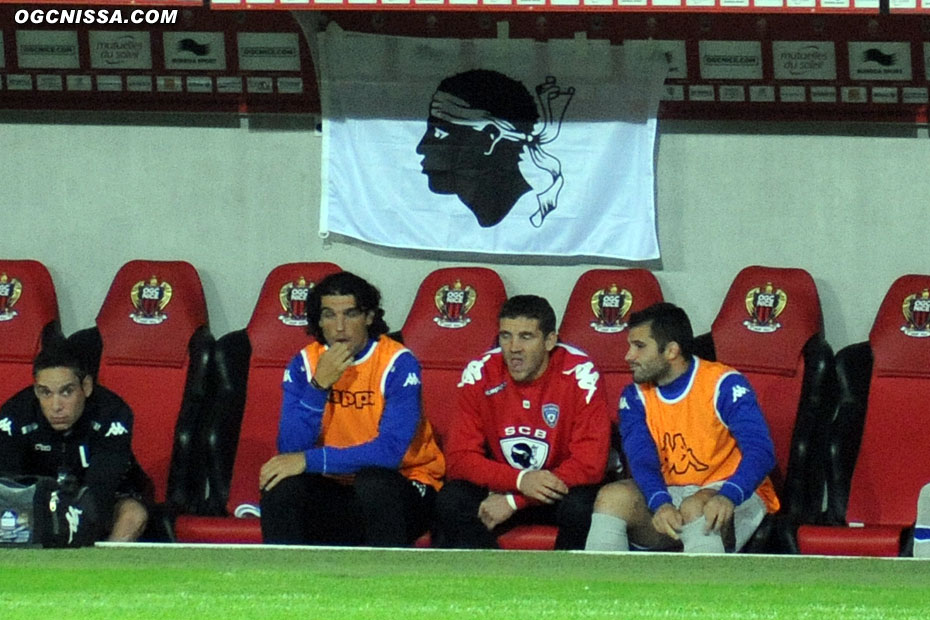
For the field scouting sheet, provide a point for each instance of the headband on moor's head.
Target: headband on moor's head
(457, 111)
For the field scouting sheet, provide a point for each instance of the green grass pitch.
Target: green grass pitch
(176, 582)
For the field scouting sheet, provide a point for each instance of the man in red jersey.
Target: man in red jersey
(530, 439)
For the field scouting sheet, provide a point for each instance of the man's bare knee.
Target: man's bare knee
(621, 499)
(129, 520)
(692, 507)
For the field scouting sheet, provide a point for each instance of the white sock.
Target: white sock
(922, 527)
(607, 533)
(696, 541)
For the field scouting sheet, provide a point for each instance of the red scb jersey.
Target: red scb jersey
(559, 422)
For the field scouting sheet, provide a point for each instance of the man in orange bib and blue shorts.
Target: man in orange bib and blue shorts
(697, 445)
(357, 462)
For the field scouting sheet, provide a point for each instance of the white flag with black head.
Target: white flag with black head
(490, 145)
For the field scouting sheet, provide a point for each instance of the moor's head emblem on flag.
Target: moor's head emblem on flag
(454, 303)
(610, 305)
(480, 124)
(10, 291)
(149, 299)
(916, 310)
(293, 297)
(764, 304)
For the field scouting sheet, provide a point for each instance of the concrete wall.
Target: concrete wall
(85, 193)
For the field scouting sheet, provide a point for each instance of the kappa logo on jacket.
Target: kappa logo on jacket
(73, 517)
(6, 426)
(347, 398)
(472, 373)
(116, 429)
(586, 377)
(739, 391)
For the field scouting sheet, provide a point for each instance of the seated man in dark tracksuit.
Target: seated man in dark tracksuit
(67, 428)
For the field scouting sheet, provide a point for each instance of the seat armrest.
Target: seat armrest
(854, 370)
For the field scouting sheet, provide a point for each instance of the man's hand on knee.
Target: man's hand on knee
(667, 520)
(280, 467)
(719, 513)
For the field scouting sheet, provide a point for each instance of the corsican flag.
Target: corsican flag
(490, 145)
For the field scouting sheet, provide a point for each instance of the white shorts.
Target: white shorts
(746, 517)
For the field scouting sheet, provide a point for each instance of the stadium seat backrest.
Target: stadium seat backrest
(453, 320)
(146, 323)
(596, 316)
(893, 461)
(276, 332)
(28, 310)
(768, 316)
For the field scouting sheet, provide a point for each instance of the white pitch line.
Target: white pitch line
(787, 557)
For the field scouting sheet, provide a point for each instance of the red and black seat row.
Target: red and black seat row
(151, 344)
(878, 440)
(207, 412)
(453, 320)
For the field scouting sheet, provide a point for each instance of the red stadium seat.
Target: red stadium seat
(453, 320)
(28, 317)
(879, 444)
(595, 319)
(770, 328)
(242, 432)
(155, 348)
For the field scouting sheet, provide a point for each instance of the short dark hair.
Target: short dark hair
(530, 307)
(367, 299)
(668, 323)
(59, 353)
(500, 95)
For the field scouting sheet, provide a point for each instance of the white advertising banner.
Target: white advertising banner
(731, 60)
(927, 61)
(115, 49)
(872, 60)
(268, 51)
(195, 50)
(804, 60)
(47, 49)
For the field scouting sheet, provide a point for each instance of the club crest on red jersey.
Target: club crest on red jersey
(149, 299)
(764, 304)
(10, 291)
(916, 308)
(454, 303)
(293, 297)
(550, 414)
(610, 305)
